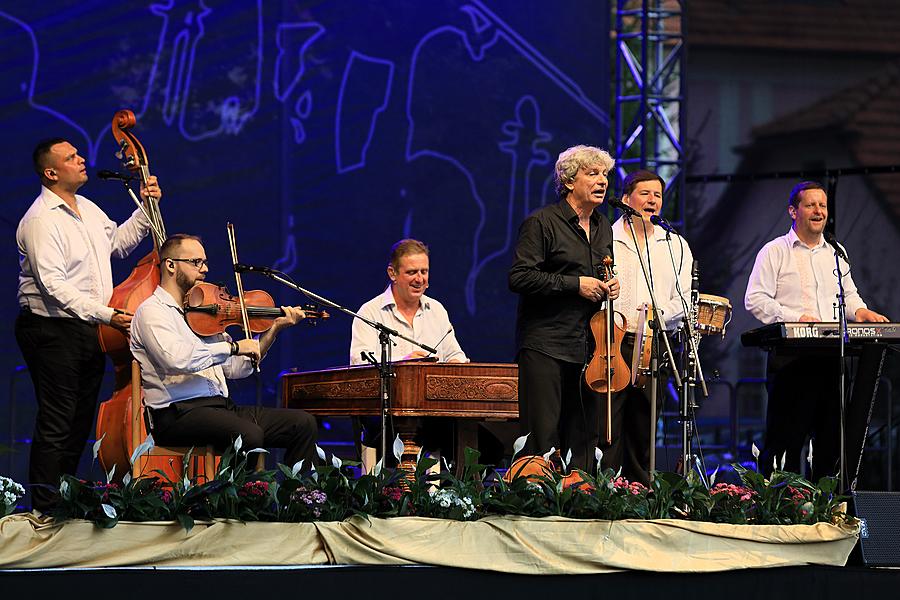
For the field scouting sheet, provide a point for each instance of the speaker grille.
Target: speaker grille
(880, 527)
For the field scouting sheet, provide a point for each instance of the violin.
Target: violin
(210, 309)
(607, 371)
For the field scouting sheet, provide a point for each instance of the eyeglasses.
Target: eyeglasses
(197, 262)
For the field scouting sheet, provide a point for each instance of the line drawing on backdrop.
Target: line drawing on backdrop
(523, 135)
(365, 77)
(183, 29)
(293, 41)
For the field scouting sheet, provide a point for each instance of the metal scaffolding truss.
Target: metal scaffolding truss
(649, 95)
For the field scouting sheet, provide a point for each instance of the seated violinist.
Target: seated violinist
(184, 374)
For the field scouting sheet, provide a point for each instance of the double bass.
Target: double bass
(607, 371)
(114, 419)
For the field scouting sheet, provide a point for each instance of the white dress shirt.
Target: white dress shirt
(633, 290)
(65, 268)
(790, 279)
(177, 364)
(430, 325)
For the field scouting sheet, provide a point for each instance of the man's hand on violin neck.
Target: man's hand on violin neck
(152, 188)
(292, 316)
(595, 290)
(249, 348)
(612, 288)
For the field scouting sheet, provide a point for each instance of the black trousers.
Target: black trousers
(66, 367)
(630, 447)
(557, 408)
(218, 421)
(804, 402)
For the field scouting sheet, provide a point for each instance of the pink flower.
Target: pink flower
(392, 492)
(799, 495)
(256, 489)
(635, 488)
(740, 492)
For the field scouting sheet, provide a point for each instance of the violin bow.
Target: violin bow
(240, 288)
(609, 274)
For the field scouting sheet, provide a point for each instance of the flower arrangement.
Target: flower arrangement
(10, 493)
(327, 492)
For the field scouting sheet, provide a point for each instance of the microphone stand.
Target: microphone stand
(845, 339)
(385, 366)
(160, 235)
(693, 370)
(654, 358)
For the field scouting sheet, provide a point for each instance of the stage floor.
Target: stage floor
(437, 583)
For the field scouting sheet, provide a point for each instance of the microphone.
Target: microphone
(449, 331)
(658, 220)
(242, 268)
(624, 207)
(829, 237)
(695, 276)
(108, 175)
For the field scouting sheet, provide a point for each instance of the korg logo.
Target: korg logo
(806, 331)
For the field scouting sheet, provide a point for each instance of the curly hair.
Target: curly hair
(577, 157)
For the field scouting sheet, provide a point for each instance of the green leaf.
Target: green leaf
(185, 521)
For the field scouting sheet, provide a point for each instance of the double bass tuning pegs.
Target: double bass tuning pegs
(123, 146)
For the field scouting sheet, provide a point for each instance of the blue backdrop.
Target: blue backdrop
(324, 130)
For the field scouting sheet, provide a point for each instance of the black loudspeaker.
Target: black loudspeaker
(879, 528)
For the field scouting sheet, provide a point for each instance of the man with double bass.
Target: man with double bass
(555, 271)
(65, 242)
(184, 374)
(668, 260)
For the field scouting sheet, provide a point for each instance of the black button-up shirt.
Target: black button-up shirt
(551, 254)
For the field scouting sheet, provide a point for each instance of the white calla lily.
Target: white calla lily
(96, 446)
(397, 448)
(519, 444)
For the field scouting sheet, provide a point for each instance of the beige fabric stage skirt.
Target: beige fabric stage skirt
(551, 545)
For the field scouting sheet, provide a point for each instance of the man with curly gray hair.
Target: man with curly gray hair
(556, 272)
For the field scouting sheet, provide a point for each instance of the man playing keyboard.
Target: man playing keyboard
(793, 279)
